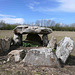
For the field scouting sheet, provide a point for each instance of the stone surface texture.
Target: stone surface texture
(64, 48)
(4, 45)
(41, 57)
(52, 43)
(16, 55)
(17, 39)
(45, 39)
(24, 29)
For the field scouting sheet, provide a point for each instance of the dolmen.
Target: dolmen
(32, 32)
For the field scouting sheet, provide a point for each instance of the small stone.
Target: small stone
(4, 62)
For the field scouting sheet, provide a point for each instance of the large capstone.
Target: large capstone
(41, 57)
(24, 29)
(64, 48)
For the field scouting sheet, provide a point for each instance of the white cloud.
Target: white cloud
(52, 18)
(64, 5)
(11, 19)
(35, 2)
(2, 15)
(67, 5)
(32, 5)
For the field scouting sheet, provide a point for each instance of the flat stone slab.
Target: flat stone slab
(41, 57)
(24, 29)
(64, 48)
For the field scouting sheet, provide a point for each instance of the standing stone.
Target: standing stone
(45, 39)
(17, 39)
(52, 43)
(4, 45)
(64, 48)
(41, 57)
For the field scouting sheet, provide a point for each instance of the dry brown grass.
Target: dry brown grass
(7, 33)
(57, 34)
(61, 34)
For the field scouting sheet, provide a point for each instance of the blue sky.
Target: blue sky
(20, 11)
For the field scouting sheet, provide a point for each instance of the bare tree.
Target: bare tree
(37, 23)
(48, 23)
(45, 22)
(41, 22)
(73, 25)
(52, 23)
(2, 23)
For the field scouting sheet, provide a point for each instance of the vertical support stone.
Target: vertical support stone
(18, 39)
(45, 39)
(52, 43)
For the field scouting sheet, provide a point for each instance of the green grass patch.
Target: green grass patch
(27, 44)
(54, 50)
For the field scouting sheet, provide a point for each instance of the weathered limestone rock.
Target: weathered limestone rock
(17, 39)
(24, 29)
(34, 37)
(45, 39)
(52, 43)
(4, 45)
(16, 55)
(64, 48)
(41, 57)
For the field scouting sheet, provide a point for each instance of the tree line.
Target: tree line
(43, 23)
(6, 26)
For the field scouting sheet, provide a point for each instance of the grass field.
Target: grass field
(57, 34)
(6, 33)
(61, 34)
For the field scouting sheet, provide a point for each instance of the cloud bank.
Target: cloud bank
(11, 19)
(61, 5)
